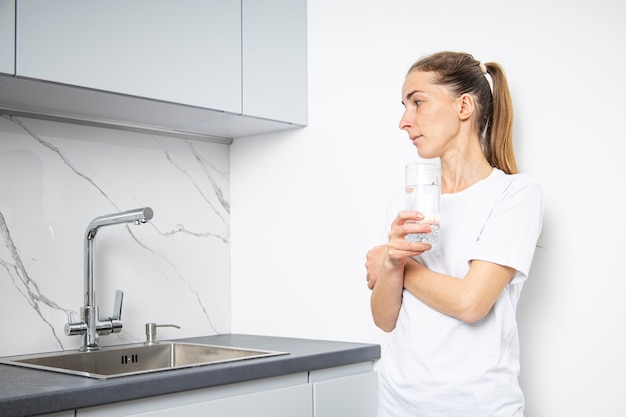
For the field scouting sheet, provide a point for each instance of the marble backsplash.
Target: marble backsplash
(55, 178)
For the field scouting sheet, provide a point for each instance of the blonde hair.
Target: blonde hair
(462, 74)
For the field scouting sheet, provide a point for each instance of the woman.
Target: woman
(454, 349)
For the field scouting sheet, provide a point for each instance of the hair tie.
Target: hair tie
(483, 69)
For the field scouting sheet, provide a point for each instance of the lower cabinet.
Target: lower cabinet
(350, 390)
(336, 392)
(285, 402)
(355, 395)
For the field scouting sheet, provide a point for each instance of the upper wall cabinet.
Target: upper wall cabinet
(275, 59)
(7, 37)
(183, 52)
(220, 68)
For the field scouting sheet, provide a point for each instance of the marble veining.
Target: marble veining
(56, 177)
(24, 284)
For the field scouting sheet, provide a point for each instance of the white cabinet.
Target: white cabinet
(286, 402)
(275, 60)
(213, 68)
(336, 392)
(186, 51)
(284, 396)
(7, 37)
(335, 395)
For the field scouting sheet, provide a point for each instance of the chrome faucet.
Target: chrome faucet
(91, 325)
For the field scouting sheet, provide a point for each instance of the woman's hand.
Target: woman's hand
(398, 250)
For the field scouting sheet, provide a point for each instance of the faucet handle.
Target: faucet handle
(116, 318)
(151, 332)
(73, 327)
(117, 306)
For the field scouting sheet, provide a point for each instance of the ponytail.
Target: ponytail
(498, 145)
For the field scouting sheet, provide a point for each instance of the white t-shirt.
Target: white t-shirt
(438, 366)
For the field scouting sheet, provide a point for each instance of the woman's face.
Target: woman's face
(431, 115)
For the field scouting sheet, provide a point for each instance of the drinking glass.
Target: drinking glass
(423, 193)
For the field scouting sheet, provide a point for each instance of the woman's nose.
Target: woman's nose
(405, 122)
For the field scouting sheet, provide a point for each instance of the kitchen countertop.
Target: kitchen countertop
(26, 392)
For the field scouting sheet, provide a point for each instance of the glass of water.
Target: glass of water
(423, 192)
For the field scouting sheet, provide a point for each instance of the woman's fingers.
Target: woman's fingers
(397, 251)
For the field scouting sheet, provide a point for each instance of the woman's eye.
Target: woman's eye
(413, 104)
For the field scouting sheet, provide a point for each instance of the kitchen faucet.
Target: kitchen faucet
(91, 325)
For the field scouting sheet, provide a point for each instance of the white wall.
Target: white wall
(306, 205)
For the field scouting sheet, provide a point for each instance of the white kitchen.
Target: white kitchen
(264, 137)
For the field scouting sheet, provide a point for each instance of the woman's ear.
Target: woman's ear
(467, 106)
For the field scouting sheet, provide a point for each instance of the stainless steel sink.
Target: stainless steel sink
(116, 361)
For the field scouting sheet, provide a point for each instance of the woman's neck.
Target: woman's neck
(463, 171)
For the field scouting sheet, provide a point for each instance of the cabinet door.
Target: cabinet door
(275, 60)
(296, 401)
(287, 395)
(7, 37)
(184, 51)
(287, 402)
(355, 395)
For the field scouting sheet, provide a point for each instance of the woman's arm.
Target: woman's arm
(387, 283)
(386, 265)
(468, 299)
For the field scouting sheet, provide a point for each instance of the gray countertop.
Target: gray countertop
(26, 392)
